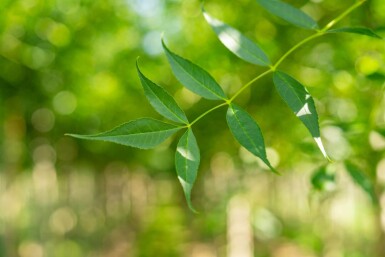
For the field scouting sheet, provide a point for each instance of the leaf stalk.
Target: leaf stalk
(207, 112)
(342, 15)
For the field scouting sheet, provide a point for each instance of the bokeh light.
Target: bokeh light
(68, 66)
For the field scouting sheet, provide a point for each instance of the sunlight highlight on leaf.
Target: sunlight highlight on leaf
(320, 145)
(304, 110)
(237, 43)
(301, 103)
(187, 159)
(232, 42)
(185, 153)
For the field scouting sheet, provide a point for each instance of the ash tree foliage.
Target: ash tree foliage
(147, 133)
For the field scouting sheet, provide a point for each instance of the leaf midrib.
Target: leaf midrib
(233, 29)
(180, 65)
(243, 129)
(186, 161)
(303, 16)
(164, 105)
(137, 134)
(299, 99)
(246, 49)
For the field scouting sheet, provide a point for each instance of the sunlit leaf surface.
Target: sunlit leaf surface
(162, 102)
(360, 31)
(237, 43)
(194, 77)
(301, 103)
(187, 159)
(247, 132)
(289, 13)
(142, 133)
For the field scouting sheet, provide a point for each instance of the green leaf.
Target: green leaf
(187, 159)
(324, 179)
(143, 133)
(194, 77)
(289, 13)
(247, 132)
(361, 31)
(237, 43)
(361, 180)
(301, 103)
(162, 102)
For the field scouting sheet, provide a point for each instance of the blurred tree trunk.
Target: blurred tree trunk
(380, 212)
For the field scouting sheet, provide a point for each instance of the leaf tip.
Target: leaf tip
(320, 145)
(203, 7)
(71, 135)
(191, 207)
(137, 64)
(329, 159)
(275, 171)
(165, 48)
(162, 40)
(272, 169)
(138, 69)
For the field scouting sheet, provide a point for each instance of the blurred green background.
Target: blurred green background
(68, 66)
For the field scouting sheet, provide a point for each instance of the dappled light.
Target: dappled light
(232, 42)
(303, 111)
(185, 153)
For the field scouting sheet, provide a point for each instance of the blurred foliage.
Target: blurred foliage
(69, 66)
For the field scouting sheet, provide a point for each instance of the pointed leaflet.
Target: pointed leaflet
(237, 43)
(301, 103)
(361, 31)
(289, 13)
(187, 159)
(194, 77)
(162, 102)
(247, 132)
(142, 133)
(360, 179)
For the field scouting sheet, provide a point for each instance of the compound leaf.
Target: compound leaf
(237, 43)
(162, 102)
(194, 77)
(143, 133)
(247, 132)
(361, 31)
(301, 103)
(289, 13)
(187, 159)
(361, 180)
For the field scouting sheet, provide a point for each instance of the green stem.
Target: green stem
(249, 83)
(280, 60)
(291, 50)
(205, 113)
(342, 15)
